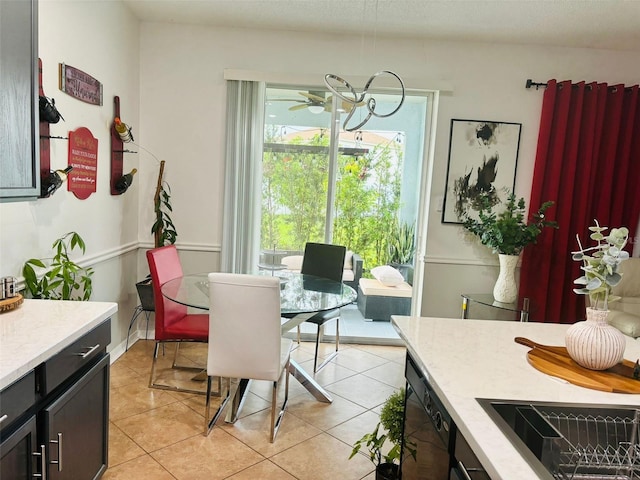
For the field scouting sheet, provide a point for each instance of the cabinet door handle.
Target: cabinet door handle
(463, 469)
(89, 352)
(43, 464)
(59, 461)
(3, 417)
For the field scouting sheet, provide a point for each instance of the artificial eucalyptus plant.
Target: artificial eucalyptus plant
(62, 279)
(600, 264)
(507, 232)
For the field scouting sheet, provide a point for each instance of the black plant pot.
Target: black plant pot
(145, 292)
(387, 471)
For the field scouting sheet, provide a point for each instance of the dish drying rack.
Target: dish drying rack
(596, 447)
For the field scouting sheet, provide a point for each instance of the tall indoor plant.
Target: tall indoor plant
(391, 419)
(507, 233)
(163, 229)
(164, 233)
(595, 344)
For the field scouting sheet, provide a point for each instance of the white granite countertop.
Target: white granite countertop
(39, 329)
(469, 359)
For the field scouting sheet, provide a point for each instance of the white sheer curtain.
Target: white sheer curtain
(243, 176)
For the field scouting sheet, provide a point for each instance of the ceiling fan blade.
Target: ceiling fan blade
(286, 100)
(298, 107)
(313, 97)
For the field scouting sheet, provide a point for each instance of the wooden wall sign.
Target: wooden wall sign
(80, 85)
(83, 156)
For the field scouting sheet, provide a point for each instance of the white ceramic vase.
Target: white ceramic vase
(594, 344)
(505, 289)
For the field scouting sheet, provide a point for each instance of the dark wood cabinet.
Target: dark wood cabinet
(21, 454)
(57, 416)
(19, 122)
(76, 427)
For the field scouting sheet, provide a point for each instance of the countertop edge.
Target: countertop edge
(101, 311)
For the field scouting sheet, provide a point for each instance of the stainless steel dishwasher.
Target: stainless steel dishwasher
(427, 428)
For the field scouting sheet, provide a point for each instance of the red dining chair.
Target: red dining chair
(173, 323)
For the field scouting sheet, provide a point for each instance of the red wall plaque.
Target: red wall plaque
(80, 85)
(83, 156)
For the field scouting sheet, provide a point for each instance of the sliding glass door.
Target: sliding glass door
(326, 184)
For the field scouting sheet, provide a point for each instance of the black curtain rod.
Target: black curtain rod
(530, 84)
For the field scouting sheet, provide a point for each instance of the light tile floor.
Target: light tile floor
(158, 434)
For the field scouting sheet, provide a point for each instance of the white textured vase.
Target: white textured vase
(505, 289)
(595, 344)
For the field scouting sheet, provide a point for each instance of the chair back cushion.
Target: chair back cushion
(324, 260)
(164, 265)
(244, 326)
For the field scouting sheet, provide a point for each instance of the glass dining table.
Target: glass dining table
(301, 297)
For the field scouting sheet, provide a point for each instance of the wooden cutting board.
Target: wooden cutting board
(557, 362)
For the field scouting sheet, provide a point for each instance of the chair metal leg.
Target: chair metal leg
(317, 368)
(209, 421)
(276, 421)
(153, 364)
(152, 377)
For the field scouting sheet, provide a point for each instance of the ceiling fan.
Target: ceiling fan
(315, 102)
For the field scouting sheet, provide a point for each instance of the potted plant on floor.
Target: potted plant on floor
(507, 233)
(401, 248)
(62, 279)
(391, 419)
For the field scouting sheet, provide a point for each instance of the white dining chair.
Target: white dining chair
(245, 341)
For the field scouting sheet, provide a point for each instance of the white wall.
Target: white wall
(170, 82)
(101, 39)
(183, 116)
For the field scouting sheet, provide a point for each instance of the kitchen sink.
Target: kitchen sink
(565, 441)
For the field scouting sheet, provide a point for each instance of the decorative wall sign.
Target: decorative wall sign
(80, 85)
(482, 163)
(83, 156)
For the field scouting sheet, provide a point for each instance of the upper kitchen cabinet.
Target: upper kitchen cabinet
(19, 120)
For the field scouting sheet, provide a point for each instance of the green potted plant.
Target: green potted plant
(391, 419)
(594, 344)
(401, 248)
(62, 279)
(507, 233)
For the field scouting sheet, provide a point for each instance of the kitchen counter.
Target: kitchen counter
(469, 359)
(39, 329)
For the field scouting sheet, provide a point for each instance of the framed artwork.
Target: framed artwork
(482, 163)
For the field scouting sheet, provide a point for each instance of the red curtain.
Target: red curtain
(588, 163)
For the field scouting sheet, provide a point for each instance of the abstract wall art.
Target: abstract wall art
(483, 156)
